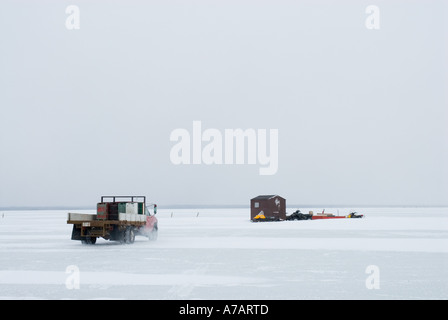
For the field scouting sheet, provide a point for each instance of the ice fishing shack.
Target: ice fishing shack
(271, 206)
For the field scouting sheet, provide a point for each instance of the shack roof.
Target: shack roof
(266, 197)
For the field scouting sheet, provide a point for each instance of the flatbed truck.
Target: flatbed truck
(118, 218)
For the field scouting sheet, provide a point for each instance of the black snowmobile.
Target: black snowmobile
(355, 215)
(297, 215)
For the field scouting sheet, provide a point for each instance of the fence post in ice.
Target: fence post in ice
(373, 280)
(72, 281)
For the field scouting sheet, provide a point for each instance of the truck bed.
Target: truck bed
(77, 218)
(80, 217)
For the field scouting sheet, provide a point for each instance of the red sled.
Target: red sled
(327, 217)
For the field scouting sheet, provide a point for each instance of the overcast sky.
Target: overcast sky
(362, 114)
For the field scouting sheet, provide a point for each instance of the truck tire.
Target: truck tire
(129, 235)
(91, 240)
(119, 235)
(88, 239)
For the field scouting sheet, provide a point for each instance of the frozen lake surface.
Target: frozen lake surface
(220, 254)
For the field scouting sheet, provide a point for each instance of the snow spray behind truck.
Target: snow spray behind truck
(117, 218)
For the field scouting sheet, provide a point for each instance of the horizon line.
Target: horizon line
(224, 206)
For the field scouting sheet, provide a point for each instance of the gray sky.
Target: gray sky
(362, 114)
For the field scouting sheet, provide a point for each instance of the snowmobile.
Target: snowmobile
(355, 215)
(297, 215)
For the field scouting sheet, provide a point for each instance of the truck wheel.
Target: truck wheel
(88, 240)
(129, 235)
(121, 236)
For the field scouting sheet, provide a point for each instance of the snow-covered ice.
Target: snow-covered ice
(220, 254)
